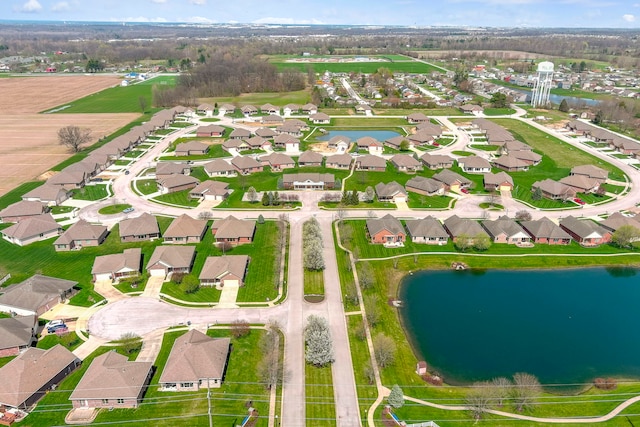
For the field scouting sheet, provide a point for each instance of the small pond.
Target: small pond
(564, 326)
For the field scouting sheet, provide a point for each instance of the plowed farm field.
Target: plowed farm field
(28, 140)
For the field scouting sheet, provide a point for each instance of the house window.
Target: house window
(105, 401)
(186, 385)
(121, 401)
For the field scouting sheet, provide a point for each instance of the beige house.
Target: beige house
(41, 227)
(171, 259)
(35, 295)
(185, 229)
(210, 190)
(144, 227)
(219, 167)
(425, 186)
(233, 230)
(80, 235)
(117, 266)
(51, 195)
(196, 361)
(224, 270)
(391, 192)
(17, 334)
(22, 210)
(427, 230)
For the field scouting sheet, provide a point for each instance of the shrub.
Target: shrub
(605, 383)
(190, 284)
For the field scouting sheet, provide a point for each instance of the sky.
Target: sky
(491, 13)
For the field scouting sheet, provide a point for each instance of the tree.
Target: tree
(252, 195)
(369, 373)
(478, 399)
(463, 242)
(205, 215)
(481, 242)
(260, 219)
(625, 235)
(142, 102)
(74, 137)
(499, 100)
(526, 388)
(313, 259)
(537, 194)
(598, 119)
(190, 284)
(365, 276)
(369, 194)
(384, 349)
(130, 342)
(266, 201)
(500, 390)
(240, 328)
(225, 247)
(404, 145)
(523, 215)
(396, 397)
(318, 339)
(93, 65)
(371, 308)
(270, 370)
(564, 106)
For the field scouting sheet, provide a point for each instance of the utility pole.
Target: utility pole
(209, 403)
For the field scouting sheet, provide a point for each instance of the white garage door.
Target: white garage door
(401, 200)
(103, 277)
(231, 283)
(157, 272)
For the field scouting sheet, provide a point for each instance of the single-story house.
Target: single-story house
(238, 145)
(320, 118)
(210, 190)
(372, 145)
(405, 163)
(339, 161)
(617, 220)
(288, 142)
(428, 129)
(308, 181)
(545, 231)
(310, 158)
(422, 137)
(436, 161)
(233, 230)
(428, 230)
(309, 109)
(278, 161)
(371, 163)
(28, 377)
(249, 110)
(258, 143)
(581, 183)
(35, 229)
(339, 143)
(246, 165)
(69, 179)
(529, 157)
(425, 186)
(500, 181)
(171, 259)
(185, 229)
(196, 361)
(206, 109)
(415, 118)
(112, 381)
(270, 109)
(591, 171)
(166, 169)
(471, 109)
(17, 334)
(474, 164)
(554, 190)
(363, 109)
(175, 183)
(272, 120)
(266, 133)
(22, 210)
(226, 109)
(510, 163)
(192, 148)
(506, 230)
(214, 131)
(391, 192)
(219, 167)
(117, 266)
(80, 235)
(51, 195)
(457, 227)
(396, 143)
(290, 109)
(35, 295)
(226, 270)
(585, 232)
(386, 230)
(452, 181)
(144, 227)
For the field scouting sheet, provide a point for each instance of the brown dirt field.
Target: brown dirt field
(29, 143)
(25, 95)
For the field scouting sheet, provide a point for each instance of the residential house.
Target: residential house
(258, 143)
(309, 109)
(372, 145)
(270, 109)
(310, 158)
(289, 109)
(474, 164)
(506, 230)
(581, 183)
(391, 192)
(35, 295)
(452, 181)
(416, 118)
(271, 120)
(473, 109)
(185, 229)
(288, 142)
(249, 110)
(458, 227)
(500, 181)
(585, 232)
(386, 230)
(278, 161)
(320, 118)
(425, 186)
(114, 267)
(196, 361)
(339, 161)
(175, 183)
(22, 210)
(233, 230)
(166, 169)
(79, 235)
(592, 172)
(545, 231)
(339, 143)
(513, 146)
(50, 195)
(528, 156)
(226, 270)
(212, 131)
(308, 181)
(428, 230)
(239, 133)
(371, 163)
(35, 229)
(205, 109)
(405, 163)
(225, 109)
(266, 133)
(554, 190)
(237, 145)
(210, 190)
(17, 334)
(112, 381)
(192, 148)
(219, 167)
(422, 137)
(69, 179)
(436, 161)
(144, 227)
(166, 260)
(246, 165)
(400, 142)
(510, 163)
(28, 377)
(363, 109)
(426, 130)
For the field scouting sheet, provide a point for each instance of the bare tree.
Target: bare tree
(384, 349)
(240, 328)
(523, 215)
(478, 399)
(205, 215)
(74, 137)
(500, 390)
(252, 195)
(269, 368)
(365, 275)
(526, 388)
(372, 310)
(225, 247)
(142, 101)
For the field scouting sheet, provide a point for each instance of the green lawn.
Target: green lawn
(320, 404)
(365, 123)
(55, 210)
(359, 67)
(215, 151)
(179, 198)
(313, 282)
(117, 99)
(498, 111)
(146, 186)
(91, 192)
(71, 341)
(367, 392)
(418, 201)
(15, 195)
(257, 99)
(113, 209)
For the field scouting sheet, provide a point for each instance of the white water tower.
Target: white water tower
(542, 86)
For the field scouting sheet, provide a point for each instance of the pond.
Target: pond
(564, 326)
(380, 135)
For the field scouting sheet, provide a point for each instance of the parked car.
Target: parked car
(55, 325)
(579, 201)
(128, 210)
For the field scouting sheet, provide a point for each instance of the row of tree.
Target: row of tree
(522, 393)
(312, 245)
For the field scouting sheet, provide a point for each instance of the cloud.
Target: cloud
(159, 1)
(138, 19)
(199, 20)
(62, 6)
(31, 6)
(198, 2)
(629, 17)
(287, 21)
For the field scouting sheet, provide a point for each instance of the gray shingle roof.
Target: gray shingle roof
(426, 227)
(387, 222)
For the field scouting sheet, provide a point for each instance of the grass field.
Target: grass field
(146, 186)
(179, 198)
(91, 192)
(359, 67)
(257, 99)
(320, 404)
(15, 195)
(117, 99)
(313, 282)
